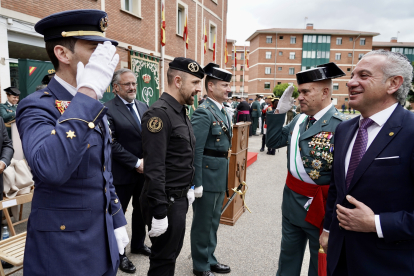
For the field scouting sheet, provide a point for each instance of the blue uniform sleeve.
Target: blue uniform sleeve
(54, 147)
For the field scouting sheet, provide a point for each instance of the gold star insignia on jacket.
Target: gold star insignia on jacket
(71, 134)
(314, 174)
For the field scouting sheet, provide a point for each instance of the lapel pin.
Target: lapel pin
(391, 133)
(324, 121)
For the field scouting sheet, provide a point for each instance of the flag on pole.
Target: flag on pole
(214, 48)
(205, 37)
(185, 33)
(235, 57)
(246, 58)
(226, 55)
(163, 25)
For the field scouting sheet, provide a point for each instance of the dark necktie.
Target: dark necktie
(311, 121)
(360, 146)
(131, 109)
(225, 114)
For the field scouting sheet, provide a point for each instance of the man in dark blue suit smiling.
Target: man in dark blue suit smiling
(76, 226)
(370, 207)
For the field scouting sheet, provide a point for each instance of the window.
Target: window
(267, 70)
(346, 99)
(268, 55)
(233, 88)
(212, 35)
(268, 39)
(292, 55)
(281, 37)
(279, 82)
(335, 86)
(279, 68)
(339, 41)
(132, 6)
(348, 69)
(349, 54)
(337, 56)
(241, 89)
(267, 85)
(241, 56)
(360, 56)
(241, 78)
(241, 67)
(291, 71)
(362, 41)
(180, 20)
(293, 40)
(280, 53)
(351, 39)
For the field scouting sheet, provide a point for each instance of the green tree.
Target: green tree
(280, 88)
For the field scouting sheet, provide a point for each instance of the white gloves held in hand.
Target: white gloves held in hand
(158, 227)
(122, 239)
(190, 196)
(198, 191)
(97, 74)
(286, 101)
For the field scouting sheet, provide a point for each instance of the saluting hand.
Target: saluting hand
(360, 219)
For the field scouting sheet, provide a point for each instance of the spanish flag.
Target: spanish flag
(226, 57)
(214, 48)
(247, 59)
(205, 38)
(163, 25)
(235, 57)
(185, 34)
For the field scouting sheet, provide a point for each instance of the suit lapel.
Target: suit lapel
(383, 138)
(139, 108)
(125, 111)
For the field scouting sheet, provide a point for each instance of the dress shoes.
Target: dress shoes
(143, 251)
(203, 273)
(6, 264)
(262, 150)
(126, 265)
(220, 268)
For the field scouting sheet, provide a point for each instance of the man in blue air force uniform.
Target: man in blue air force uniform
(310, 146)
(212, 129)
(76, 226)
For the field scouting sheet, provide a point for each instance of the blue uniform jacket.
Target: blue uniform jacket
(75, 209)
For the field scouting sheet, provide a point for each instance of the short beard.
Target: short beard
(187, 98)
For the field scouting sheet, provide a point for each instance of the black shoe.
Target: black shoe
(220, 268)
(126, 265)
(146, 251)
(6, 264)
(203, 273)
(262, 150)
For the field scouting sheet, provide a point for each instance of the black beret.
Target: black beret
(187, 65)
(12, 91)
(81, 24)
(321, 72)
(213, 70)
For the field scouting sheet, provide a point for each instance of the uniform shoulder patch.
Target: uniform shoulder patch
(154, 124)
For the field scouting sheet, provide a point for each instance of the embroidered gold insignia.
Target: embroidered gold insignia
(103, 24)
(154, 124)
(53, 132)
(62, 105)
(193, 67)
(71, 134)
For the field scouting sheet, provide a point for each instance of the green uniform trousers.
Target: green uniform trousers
(206, 219)
(255, 124)
(293, 246)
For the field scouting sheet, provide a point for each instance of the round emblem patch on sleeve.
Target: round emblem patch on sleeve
(154, 124)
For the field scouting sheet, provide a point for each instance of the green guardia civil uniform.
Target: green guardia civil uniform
(256, 113)
(8, 112)
(317, 166)
(211, 173)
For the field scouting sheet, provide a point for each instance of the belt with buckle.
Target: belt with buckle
(177, 193)
(216, 153)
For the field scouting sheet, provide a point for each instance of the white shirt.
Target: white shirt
(322, 112)
(219, 106)
(136, 113)
(72, 90)
(379, 119)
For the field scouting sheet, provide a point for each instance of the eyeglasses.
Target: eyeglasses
(128, 84)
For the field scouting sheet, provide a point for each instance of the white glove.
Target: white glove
(97, 74)
(122, 239)
(198, 191)
(190, 196)
(158, 227)
(286, 101)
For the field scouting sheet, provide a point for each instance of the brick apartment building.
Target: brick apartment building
(134, 23)
(406, 48)
(277, 54)
(240, 80)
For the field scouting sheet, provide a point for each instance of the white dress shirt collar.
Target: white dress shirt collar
(219, 105)
(381, 117)
(125, 102)
(322, 112)
(72, 90)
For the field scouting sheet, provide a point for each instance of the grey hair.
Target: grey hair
(396, 64)
(117, 75)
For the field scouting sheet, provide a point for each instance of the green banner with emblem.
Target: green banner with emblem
(146, 70)
(31, 73)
